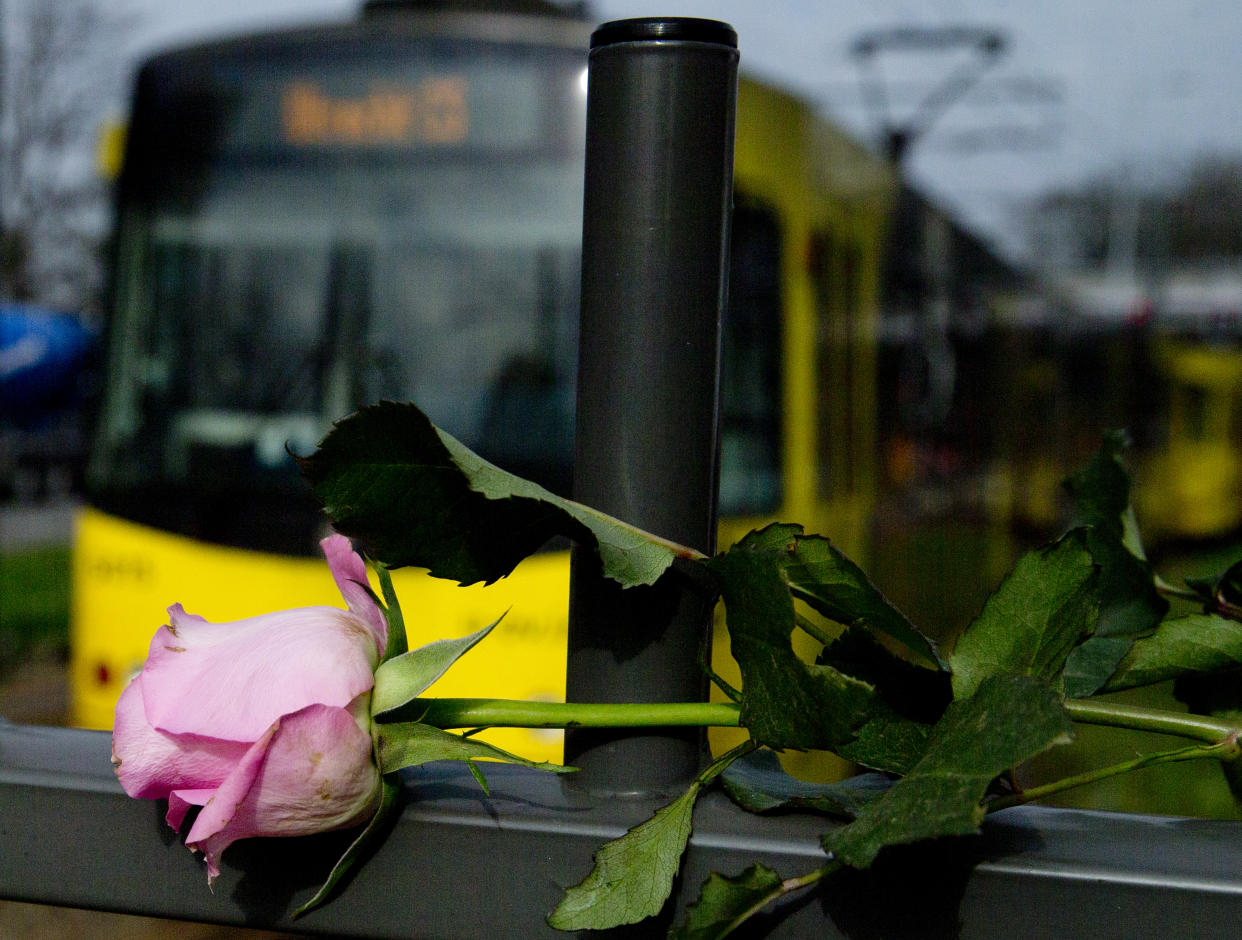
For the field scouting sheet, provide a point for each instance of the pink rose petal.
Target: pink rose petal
(350, 573)
(151, 764)
(259, 721)
(310, 772)
(232, 680)
(180, 801)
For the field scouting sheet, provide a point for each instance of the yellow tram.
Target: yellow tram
(314, 219)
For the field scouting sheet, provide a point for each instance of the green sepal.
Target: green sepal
(410, 743)
(633, 876)
(367, 841)
(723, 902)
(405, 677)
(397, 642)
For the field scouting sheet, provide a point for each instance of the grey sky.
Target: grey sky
(1144, 85)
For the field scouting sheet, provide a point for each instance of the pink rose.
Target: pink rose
(265, 722)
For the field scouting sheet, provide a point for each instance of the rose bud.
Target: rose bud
(263, 722)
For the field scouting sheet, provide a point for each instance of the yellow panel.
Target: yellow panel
(126, 575)
(110, 150)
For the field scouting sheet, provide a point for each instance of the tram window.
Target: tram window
(834, 273)
(241, 333)
(750, 478)
(1196, 405)
(486, 343)
(270, 288)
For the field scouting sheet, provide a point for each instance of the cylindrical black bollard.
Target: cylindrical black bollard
(659, 178)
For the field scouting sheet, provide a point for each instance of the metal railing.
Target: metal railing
(463, 865)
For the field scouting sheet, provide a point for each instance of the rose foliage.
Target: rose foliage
(294, 722)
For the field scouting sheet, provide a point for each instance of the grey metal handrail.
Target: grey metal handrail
(462, 865)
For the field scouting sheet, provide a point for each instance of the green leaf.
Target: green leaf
(774, 537)
(413, 495)
(1130, 607)
(1036, 617)
(633, 876)
(1181, 645)
(1007, 720)
(909, 700)
(915, 691)
(1100, 493)
(368, 840)
(1130, 604)
(826, 579)
(410, 743)
(887, 741)
(785, 703)
(1202, 653)
(1091, 663)
(759, 784)
(836, 587)
(722, 901)
(405, 677)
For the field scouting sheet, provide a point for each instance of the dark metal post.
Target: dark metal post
(659, 179)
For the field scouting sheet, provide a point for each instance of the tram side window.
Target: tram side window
(1195, 401)
(750, 478)
(834, 265)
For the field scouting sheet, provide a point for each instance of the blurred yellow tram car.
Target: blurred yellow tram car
(1191, 485)
(310, 220)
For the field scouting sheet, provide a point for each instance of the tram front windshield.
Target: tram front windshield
(298, 238)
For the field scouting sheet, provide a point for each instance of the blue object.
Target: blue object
(42, 355)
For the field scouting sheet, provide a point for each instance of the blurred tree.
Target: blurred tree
(1204, 218)
(61, 71)
(1192, 219)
